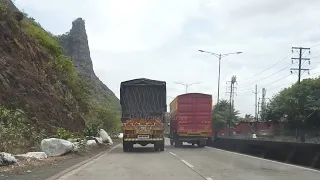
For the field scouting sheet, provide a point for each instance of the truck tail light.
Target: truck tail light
(129, 132)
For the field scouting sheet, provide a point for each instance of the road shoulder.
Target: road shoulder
(55, 167)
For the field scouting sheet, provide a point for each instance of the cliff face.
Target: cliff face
(28, 78)
(75, 45)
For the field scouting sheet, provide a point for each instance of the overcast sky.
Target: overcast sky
(159, 39)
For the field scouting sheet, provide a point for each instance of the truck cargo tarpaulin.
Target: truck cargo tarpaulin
(143, 98)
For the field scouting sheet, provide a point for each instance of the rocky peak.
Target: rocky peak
(75, 45)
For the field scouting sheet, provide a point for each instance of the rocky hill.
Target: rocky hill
(75, 45)
(42, 84)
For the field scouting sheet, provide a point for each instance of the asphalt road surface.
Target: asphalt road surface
(186, 163)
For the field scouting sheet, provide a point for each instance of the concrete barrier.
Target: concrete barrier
(303, 154)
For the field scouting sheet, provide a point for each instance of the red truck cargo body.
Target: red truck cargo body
(191, 116)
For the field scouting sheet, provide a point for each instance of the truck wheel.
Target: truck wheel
(161, 145)
(201, 144)
(156, 146)
(125, 147)
(177, 143)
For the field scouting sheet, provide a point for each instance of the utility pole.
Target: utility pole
(300, 59)
(256, 103)
(231, 101)
(263, 104)
(258, 110)
(300, 105)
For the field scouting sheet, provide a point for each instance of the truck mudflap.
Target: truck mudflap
(140, 139)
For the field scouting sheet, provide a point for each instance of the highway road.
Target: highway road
(186, 163)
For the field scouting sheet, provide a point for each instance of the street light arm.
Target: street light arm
(224, 55)
(194, 83)
(217, 55)
(179, 83)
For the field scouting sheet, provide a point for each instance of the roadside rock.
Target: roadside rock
(105, 137)
(92, 143)
(36, 155)
(7, 159)
(56, 147)
(120, 135)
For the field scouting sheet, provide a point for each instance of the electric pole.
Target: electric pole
(232, 91)
(263, 104)
(256, 103)
(300, 61)
(300, 105)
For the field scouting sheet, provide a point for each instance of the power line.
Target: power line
(269, 67)
(266, 76)
(275, 81)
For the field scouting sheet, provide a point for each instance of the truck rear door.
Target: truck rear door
(195, 115)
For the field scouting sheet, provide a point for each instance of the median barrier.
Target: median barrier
(303, 154)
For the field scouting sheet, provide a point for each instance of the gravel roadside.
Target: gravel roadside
(41, 170)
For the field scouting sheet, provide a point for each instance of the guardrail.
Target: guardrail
(303, 154)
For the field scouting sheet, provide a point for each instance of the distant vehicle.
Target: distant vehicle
(144, 104)
(191, 119)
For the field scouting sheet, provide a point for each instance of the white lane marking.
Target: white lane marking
(173, 153)
(277, 162)
(65, 176)
(188, 164)
(209, 178)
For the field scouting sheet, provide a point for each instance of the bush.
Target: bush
(91, 129)
(62, 133)
(16, 133)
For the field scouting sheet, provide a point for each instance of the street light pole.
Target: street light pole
(220, 56)
(187, 85)
(219, 78)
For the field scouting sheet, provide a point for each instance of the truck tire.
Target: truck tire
(130, 146)
(125, 147)
(156, 146)
(201, 143)
(177, 143)
(161, 145)
(171, 142)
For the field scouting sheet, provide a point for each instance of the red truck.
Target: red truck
(191, 119)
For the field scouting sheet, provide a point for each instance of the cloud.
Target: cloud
(159, 39)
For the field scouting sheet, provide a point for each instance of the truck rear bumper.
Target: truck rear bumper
(140, 139)
(192, 138)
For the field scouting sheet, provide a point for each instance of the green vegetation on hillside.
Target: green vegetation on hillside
(16, 131)
(14, 124)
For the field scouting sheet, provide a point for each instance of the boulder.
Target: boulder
(7, 159)
(32, 155)
(120, 135)
(92, 143)
(105, 137)
(56, 147)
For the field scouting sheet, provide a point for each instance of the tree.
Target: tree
(297, 105)
(221, 115)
